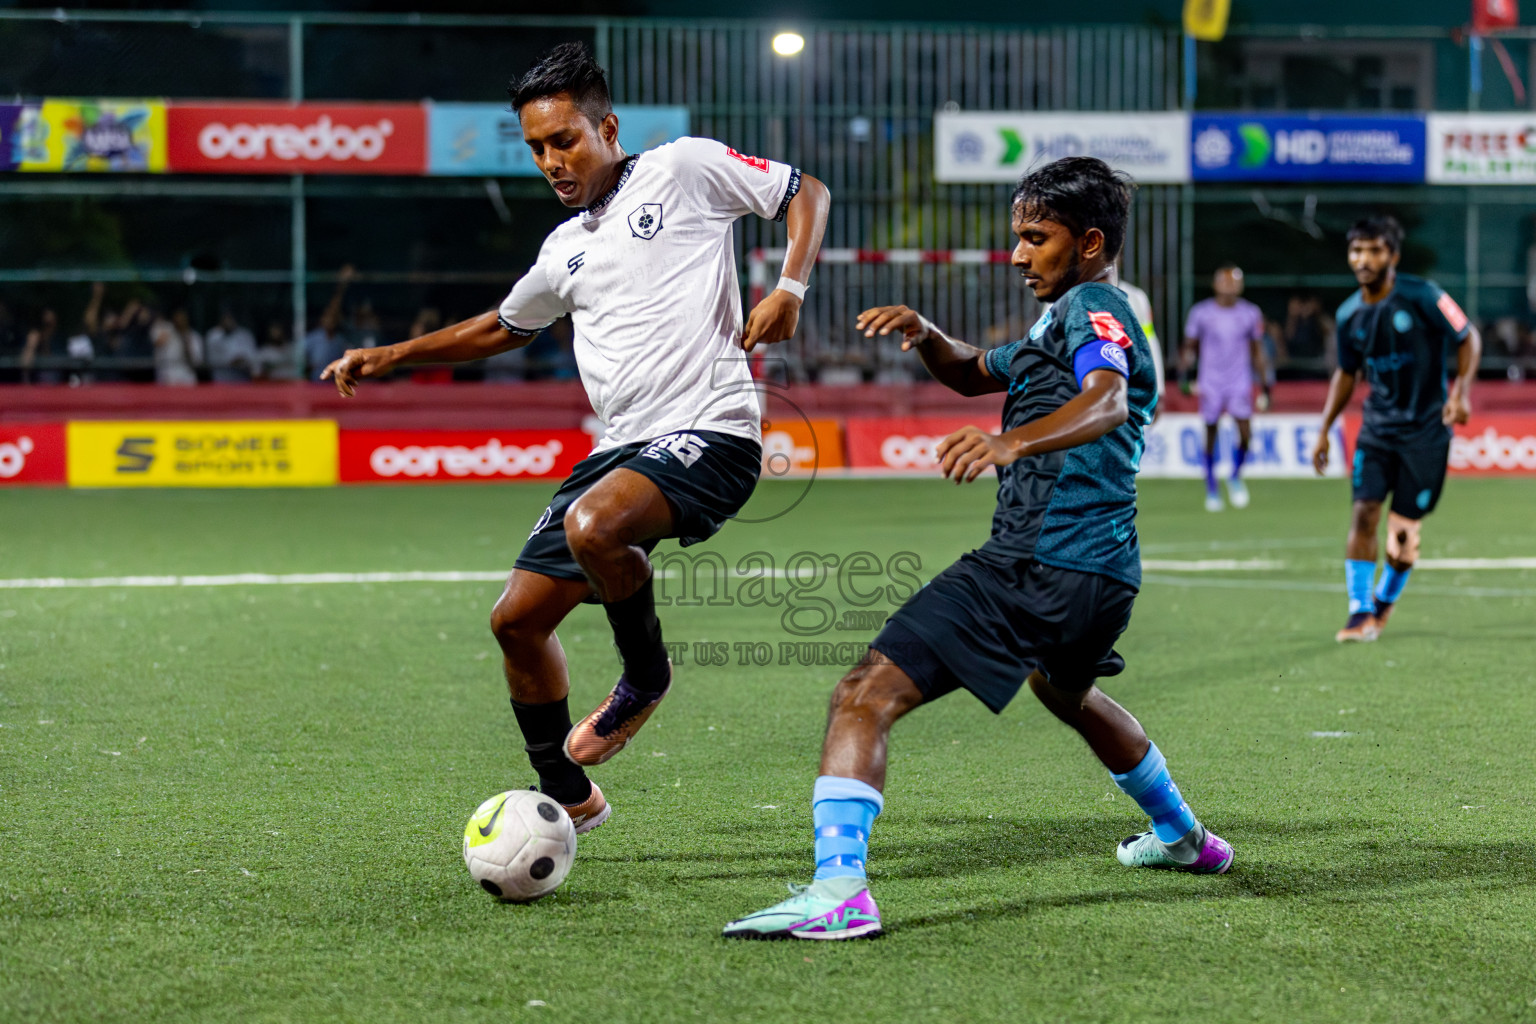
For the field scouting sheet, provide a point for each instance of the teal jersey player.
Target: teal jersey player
(1401, 344)
(1045, 598)
(1397, 331)
(1074, 508)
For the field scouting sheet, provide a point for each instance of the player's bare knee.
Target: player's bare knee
(591, 532)
(1061, 703)
(514, 621)
(876, 690)
(1364, 517)
(1402, 540)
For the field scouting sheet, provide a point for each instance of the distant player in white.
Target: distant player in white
(647, 273)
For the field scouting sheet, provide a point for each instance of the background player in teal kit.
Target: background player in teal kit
(1398, 331)
(1045, 598)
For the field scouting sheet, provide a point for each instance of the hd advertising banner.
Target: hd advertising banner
(1153, 148)
(487, 139)
(1243, 147)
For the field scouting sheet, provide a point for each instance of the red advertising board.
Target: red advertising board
(31, 453)
(307, 138)
(1496, 444)
(904, 444)
(448, 456)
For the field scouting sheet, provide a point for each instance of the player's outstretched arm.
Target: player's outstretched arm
(475, 338)
(1340, 387)
(1458, 405)
(1098, 409)
(775, 318)
(953, 363)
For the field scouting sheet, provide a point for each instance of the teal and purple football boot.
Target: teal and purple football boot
(1145, 850)
(833, 908)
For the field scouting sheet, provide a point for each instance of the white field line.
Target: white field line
(264, 579)
(1198, 565)
(1316, 587)
(1211, 564)
(249, 579)
(1475, 563)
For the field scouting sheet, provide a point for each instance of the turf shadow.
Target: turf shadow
(1367, 872)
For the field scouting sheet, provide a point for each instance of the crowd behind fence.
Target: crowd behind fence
(253, 266)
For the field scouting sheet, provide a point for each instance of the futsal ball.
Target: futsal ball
(519, 845)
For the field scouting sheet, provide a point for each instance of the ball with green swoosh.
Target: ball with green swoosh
(519, 845)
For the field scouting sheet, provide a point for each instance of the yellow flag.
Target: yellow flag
(1206, 19)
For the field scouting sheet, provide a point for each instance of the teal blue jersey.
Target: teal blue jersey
(1074, 509)
(1402, 343)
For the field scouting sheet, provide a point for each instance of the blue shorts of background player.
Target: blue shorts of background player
(1045, 598)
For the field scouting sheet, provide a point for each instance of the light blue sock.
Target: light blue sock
(1359, 575)
(1392, 583)
(1150, 785)
(844, 811)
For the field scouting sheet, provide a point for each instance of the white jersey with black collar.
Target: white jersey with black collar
(648, 275)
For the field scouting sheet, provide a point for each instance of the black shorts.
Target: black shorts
(706, 477)
(985, 628)
(1414, 474)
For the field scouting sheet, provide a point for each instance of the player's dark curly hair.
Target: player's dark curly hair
(568, 68)
(1384, 228)
(1080, 192)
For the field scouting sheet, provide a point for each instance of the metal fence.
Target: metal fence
(855, 109)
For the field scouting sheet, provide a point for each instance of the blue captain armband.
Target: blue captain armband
(1100, 355)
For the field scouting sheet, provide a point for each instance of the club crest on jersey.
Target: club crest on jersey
(1109, 329)
(1040, 326)
(645, 221)
(1115, 356)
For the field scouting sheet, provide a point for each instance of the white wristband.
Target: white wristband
(795, 288)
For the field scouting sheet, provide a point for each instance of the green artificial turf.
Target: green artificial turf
(244, 803)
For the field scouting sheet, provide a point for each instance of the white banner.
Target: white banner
(1000, 146)
(1281, 446)
(1481, 149)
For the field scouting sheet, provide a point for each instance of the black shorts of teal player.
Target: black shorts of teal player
(1413, 474)
(1402, 344)
(705, 475)
(1052, 588)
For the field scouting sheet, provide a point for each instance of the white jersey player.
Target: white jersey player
(647, 273)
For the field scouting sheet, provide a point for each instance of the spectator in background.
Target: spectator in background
(81, 346)
(1273, 344)
(135, 323)
(552, 355)
(328, 342)
(428, 320)
(9, 342)
(39, 347)
(177, 349)
(1309, 334)
(231, 351)
(366, 329)
(276, 359)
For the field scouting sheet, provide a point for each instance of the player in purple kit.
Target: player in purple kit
(1228, 331)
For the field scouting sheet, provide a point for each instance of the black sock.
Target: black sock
(544, 727)
(637, 633)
